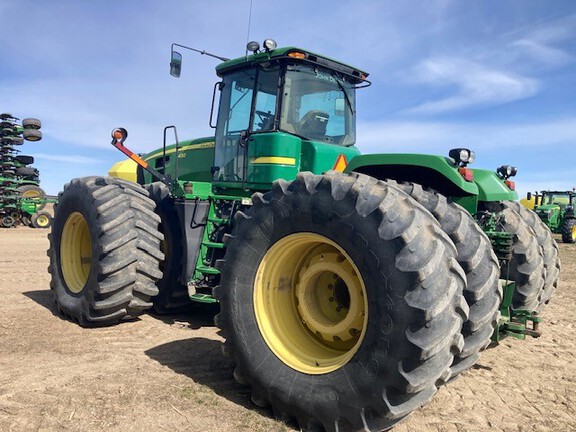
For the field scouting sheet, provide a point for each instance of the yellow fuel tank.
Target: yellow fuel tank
(125, 169)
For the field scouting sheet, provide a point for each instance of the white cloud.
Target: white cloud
(475, 85)
(543, 53)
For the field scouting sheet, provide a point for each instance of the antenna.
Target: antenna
(249, 23)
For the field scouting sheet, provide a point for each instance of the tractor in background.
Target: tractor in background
(350, 286)
(556, 210)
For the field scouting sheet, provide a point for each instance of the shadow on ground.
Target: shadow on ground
(44, 298)
(201, 360)
(196, 315)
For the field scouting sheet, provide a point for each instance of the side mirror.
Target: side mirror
(529, 196)
(176, 64)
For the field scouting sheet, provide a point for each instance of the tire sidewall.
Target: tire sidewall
(81, 202)
(375, 365)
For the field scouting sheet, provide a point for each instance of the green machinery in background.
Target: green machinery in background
(556, 209)
(350, 286)
(21, 198)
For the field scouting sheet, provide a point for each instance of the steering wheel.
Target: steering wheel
(266, 119)
(263, 115)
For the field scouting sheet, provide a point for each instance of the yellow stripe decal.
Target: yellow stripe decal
(273, 160)
(188, 147)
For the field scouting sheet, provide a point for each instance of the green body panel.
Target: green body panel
(272, 156)
(404, 164)
(491, 187)
(320, 157)
(195, 158)
(551, 215)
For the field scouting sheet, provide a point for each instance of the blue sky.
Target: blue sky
(494, 76)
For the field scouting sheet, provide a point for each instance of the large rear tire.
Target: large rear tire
(173, 294)
(549, 249)
(526, 266)
(341, 302)
(483, 292)
(104, 251)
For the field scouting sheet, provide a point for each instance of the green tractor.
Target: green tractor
(556, 209)
(350, 286)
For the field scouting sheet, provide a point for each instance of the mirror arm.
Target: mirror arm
(198, 51)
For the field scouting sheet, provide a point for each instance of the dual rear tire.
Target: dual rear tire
(104, 251)
(341, 302)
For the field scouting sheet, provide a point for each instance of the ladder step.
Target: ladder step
(217, 220)
(214, 245)
(208, 270)
(203, 298)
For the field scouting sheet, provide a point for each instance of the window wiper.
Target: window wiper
(345, 95)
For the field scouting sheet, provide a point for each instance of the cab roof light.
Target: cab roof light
(253, 47)
(269, 45)
(297, 54)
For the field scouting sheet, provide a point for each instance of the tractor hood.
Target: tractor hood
(547, 210)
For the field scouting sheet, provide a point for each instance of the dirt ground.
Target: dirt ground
(167, 373)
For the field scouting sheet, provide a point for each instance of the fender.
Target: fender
(432, 171)
(491, 187)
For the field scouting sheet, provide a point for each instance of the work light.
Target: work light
(253, 46)
(506, 171)
(462, 156)
(269, 45)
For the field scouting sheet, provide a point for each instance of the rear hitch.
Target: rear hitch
(516, 323)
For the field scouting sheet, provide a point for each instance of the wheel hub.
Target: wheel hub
(327, 306)
(310, 303)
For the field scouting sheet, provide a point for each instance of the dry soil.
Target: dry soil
(167, 373)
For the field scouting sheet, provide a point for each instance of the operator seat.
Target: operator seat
(313, 125)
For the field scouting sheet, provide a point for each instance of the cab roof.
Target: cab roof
(294, 54)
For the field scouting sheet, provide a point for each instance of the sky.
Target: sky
(494, 76)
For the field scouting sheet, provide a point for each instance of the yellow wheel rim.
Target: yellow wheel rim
(42, 221)
(574, 233)
(31, 194)
(75, 252)
(310, 303)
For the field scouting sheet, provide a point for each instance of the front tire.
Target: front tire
(104, 251)
(569, 231)
(341, 302)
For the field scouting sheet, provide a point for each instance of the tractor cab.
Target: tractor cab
(282, 111)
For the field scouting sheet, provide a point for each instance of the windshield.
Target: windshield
(318, 105)
(559, 199)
